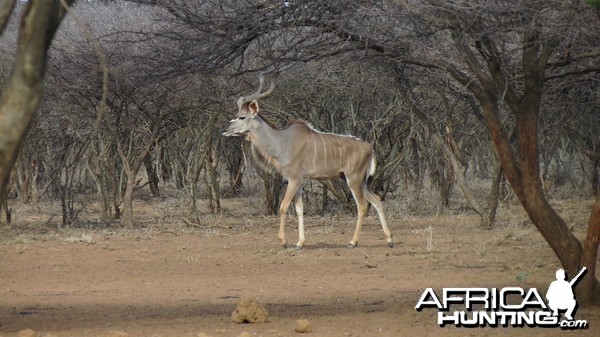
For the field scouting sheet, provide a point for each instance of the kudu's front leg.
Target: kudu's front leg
(290, 194)
(299, 205)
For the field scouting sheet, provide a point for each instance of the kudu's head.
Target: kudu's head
(248, 110)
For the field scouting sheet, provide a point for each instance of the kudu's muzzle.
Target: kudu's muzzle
(229, 132)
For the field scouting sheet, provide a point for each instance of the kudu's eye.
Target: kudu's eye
(241, 117)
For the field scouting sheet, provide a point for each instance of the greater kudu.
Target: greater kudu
(299, 151)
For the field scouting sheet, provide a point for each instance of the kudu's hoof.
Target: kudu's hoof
(352, 245)
(391, 244)
(292, 247)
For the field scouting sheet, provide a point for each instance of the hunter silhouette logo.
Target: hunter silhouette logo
(560, 294)
(508, 306)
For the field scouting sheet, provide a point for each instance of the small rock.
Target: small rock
(27, 333)
(245, 334)
(115, 333)
(249, 311)
(302, 326)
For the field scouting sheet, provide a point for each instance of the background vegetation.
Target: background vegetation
(472, 100)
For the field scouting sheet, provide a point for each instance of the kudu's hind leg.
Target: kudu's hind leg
(290, 194)
(361, 205)
(376, 202)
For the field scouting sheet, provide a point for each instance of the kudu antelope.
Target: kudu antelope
(299, 151)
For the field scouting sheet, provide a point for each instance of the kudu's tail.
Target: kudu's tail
(372, 167)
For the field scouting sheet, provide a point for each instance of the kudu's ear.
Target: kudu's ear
(253, 107)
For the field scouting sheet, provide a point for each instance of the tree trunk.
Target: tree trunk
(23, 179)
(115, 187)
(523, 175)
(452, 153)
(273, 186)
(492, 204)
(64, 208)
(127, 216)
(325, 200)
(4, 198)
(522, 167)
(235, 163)
(595, 172)
(212, 180)
(481, 69)
(102, 189)
(152, 175)
(589, 287)
(446, 182)
(341, 192)
(22, 94)
(552, 227)
(4, 206)
(132, 167)
(193, 192)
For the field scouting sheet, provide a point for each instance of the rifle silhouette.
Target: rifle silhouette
(576, 278)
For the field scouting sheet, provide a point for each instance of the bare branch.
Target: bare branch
(5, 11)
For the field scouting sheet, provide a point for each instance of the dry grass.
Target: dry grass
(171, 214)
(85, 238)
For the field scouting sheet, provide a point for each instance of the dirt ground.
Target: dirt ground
(164, 280)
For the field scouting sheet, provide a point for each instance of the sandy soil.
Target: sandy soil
(164, 281)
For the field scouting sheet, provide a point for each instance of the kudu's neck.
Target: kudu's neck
(266, 138)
